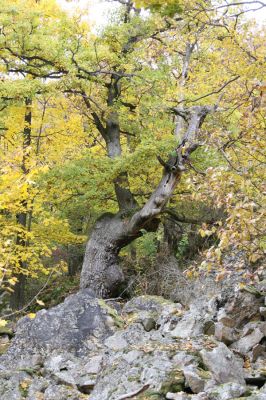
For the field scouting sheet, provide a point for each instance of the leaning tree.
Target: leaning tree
(101, 271)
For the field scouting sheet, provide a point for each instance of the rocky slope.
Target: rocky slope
(211, 348)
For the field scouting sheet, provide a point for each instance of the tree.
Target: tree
(31, 227)
(100, 269)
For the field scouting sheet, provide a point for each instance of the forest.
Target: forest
(132, 159)
(89, 122)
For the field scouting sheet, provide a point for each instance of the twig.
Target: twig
(32, 300)
(195, 169)
(215, 91)
(130, 395)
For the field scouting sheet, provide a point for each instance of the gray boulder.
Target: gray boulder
(13, 384)
(60, 392)
(196, 378)
(224, 333)
(223, 364)
(240, 307)
(78, 326)
(227, 391)
(252, 335)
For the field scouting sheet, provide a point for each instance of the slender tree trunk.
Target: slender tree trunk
(111, 136)
(18, 296)
(180, 123)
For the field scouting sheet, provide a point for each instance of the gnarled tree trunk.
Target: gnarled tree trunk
(100, 271)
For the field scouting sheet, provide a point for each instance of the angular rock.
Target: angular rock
(209, 328)
(263, 312)
(56, 392)
(253, 334)
(257, 351)
(148, 324)
(241, 307)
(177, 396)
(227, 391)
(183, 359)
(152, 304)
(225, 333)
(199, 396)
(195, 378)
(66, 327)
(191, 324)
(37, 388)
(132, 356)
(86, 385)
(223, 364)
(262, 327)
(93, 366)
(225, 319)
(116, 342)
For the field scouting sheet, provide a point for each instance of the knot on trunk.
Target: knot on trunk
(176, 162)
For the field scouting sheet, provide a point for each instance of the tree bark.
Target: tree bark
(100, 271)
(17, 299)
(180, 124)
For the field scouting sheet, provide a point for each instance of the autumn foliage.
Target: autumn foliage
(56, 177)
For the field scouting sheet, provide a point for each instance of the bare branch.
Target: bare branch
(214, 91)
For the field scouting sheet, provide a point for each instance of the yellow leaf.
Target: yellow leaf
(3, 322)
(25, 384)
(189, 274)
(254, 257)
(40, 302)
(220, 276)
(31, 315)
(218, 253)
(12, 281)
(202, 233)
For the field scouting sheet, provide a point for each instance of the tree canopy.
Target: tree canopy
(86, 116)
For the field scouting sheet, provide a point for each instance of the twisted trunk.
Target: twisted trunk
(100, 271)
